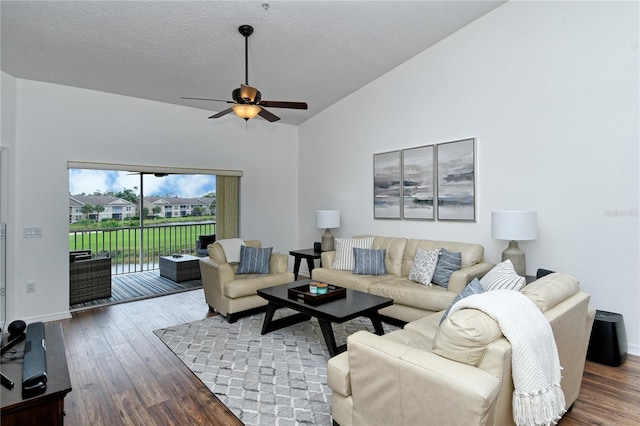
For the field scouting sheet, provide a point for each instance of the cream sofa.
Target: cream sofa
(457, 373)
(233, 295)
(411, 300)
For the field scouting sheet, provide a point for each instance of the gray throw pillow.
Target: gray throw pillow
(448, 263)
(369, 261)
(254, 260)
(474, 287)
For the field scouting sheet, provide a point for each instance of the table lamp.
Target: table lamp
(327, 219)
(514, 226)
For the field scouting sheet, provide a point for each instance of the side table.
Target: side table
(310, 254)
(179, 269)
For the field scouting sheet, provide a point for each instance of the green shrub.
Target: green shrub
(110, 223)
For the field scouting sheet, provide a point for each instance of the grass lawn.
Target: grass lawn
(159, 240)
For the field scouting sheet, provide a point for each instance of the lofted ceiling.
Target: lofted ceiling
(312, 51)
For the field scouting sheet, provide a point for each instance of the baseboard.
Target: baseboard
(633, 349)
(47, 318)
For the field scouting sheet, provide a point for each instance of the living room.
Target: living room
(548, 89)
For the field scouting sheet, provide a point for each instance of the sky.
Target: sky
(185, 186)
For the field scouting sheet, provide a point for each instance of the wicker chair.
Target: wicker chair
(89, 279)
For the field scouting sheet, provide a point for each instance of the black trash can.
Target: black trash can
(608, 343)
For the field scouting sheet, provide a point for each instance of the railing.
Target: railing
(123, 244)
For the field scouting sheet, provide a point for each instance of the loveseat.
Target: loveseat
(234, 295)
(457, 372)
(411, 300)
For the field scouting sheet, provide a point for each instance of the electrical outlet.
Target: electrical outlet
(31, 286)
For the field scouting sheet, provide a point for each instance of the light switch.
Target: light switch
(33, 232)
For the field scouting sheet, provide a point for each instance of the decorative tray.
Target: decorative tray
(302, 294)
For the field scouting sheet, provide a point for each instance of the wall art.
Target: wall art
(456, 177)
(418, 183)
(386, 185)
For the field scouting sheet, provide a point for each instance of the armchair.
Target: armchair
(235, 295)
(89, 278)
(202, 244)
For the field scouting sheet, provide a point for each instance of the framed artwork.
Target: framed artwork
(387, 190)
(456, 177)
(418, 183)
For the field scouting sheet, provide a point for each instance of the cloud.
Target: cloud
(187, 186)
(87, 181)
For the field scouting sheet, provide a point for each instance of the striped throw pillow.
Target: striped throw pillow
(254, 260)
(369, 261)
(344, 251)
(474, 287)
(448, 263)
(503, 276)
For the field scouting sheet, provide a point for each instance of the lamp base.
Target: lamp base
(516, 256)
(327, 241)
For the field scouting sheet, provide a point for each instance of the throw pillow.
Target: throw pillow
(254, 260)
(448, 263)
(503, 276)
(424, 265)
(344, 251)
(231, 248)
(369, 261)
(474, 287)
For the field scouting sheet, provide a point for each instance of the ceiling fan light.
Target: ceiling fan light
(246, 111)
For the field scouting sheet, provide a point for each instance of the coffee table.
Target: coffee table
(355, 304)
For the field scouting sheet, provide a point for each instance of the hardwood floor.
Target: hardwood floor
(122, 374)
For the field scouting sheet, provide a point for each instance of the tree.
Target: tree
(157, 210)
(87, 209)
(212, 206)
(198, 211)
(128, 195)
(98, 208)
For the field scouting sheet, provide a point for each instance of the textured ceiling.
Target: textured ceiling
(312, 51)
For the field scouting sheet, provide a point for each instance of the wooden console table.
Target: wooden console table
(44, 409)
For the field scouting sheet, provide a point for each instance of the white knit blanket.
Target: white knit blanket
(535, 365)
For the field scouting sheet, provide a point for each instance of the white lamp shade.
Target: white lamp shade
(326, 219)
(514, 225)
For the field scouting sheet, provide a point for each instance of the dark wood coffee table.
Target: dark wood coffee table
(356, 304)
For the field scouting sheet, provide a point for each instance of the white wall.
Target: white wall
(7, 142)
(55, 124)
(550, 91)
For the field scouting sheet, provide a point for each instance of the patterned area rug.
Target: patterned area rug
(276, 379)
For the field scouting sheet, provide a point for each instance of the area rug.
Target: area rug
(276, 379)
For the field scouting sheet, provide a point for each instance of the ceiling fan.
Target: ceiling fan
(247, 101)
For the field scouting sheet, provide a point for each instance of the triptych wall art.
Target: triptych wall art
(427, 182)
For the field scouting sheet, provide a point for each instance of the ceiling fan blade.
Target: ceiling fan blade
(207, 99)
(268, 116)
(222, 113)
(284, 104)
